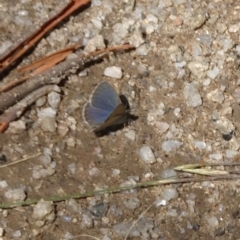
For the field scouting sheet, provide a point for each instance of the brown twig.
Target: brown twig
(17, 110)
(26, 44)
(53, 76)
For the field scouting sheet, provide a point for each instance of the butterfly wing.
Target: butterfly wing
(94, 116)
(104, 108)
(118, 116)
(105, 97)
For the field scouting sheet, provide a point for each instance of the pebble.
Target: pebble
(17, 234)
(197, 19)
(48, 124)
(142, 50)
(164, 3)
(87, 221)
(115, 172)
(231, 153)
(216, 156)
(99, 210)
(162, 126)
(54, 99)
(171, 145)
(5, 46)
(146, 154)
(191, 95)
(122, 228)
(1, 232)
(93, 171)
(132, 203)
(46, 112)
(169, 193)
(17, 127)
(16, 194)
(44, 211)
(216, 96)
(168, 173)
(198, 67)
(199, 144)
(97, 23)
(95, 43)
(62, 128)
(3, 184)
(172, 212)
(40, 172)
(72, 168)
(113, 72)
(71, 142)
(224, 125)
(41, 101)
(212, 221)
(213, 73)
(131, 134)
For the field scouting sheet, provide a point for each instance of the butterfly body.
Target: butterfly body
(104, 108)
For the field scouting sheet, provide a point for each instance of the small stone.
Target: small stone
(168, 173)
(115, 172)
(178, 2)
(3, 184)
(172, 212)
(17, 127)
(191, 94)
(216, 96)
(231, 153)
(95, 43)
(199, 144)
(132, 203)
(177, 111)
(41, 101)
(131, 134)
(1, 232)
(216, 156)
(142, 50)
(93, 171)
(5, 46)
(233, 28)
(224, 125)
(136, 39)
(47, 112)
(97, 23)
(43, 210)
(113, 72)
(197, 20)
(54, 99)
(17, 234)
(171, 145)
(48, 124)
(71, 142)
(164, 3)
(87, 221)
(212, 221)
(62, 128)
(213, 73)
(162, 126)
(122, 228)
(16, 194)
(198, 67)
(169, 193)
(72, 168)
(146, 154)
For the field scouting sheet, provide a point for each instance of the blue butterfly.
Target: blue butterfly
(104, 108)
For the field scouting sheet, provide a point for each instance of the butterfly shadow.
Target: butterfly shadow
(129, 118)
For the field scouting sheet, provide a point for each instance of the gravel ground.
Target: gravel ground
(182, 81)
